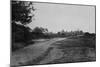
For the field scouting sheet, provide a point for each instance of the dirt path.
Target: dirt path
(32, 52)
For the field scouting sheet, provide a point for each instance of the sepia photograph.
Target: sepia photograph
(52, 33)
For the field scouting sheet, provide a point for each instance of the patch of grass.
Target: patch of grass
(37, 60)
(76, 50)
(18, 45)
(76, 54)
(76, 42)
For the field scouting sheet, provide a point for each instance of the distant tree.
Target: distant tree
(39, 32)
(87, 34)
(58, 33)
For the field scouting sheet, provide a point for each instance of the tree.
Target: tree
(21, 15)
(39, 32)
(22, 11)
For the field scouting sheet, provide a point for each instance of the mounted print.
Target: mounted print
(52, 33)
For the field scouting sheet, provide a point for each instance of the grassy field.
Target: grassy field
(77, 42)
(76, 49)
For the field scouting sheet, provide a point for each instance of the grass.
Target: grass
(37, 60)
(76, 42)
(76, 54)
(76, 49)
(19, 45)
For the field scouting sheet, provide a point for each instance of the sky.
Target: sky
(57, 17)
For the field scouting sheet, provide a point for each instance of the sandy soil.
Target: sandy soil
(32, 52)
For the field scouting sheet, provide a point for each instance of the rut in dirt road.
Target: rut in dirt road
(32, 52)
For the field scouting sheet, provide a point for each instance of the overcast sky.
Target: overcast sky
(56, 17)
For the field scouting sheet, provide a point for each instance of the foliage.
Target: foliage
(21, 15)
(39, 32)
(22, 11)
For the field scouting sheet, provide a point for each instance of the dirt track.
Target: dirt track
(32, 52)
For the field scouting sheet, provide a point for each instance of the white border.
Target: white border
(5, 33)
